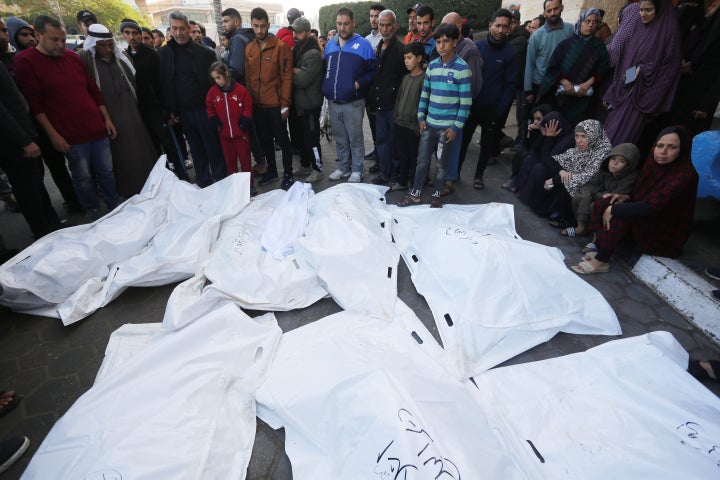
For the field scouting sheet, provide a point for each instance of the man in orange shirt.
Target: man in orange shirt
(412, 35)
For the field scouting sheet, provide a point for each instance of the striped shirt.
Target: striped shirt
(445, 99)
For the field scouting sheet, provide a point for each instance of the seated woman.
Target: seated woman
(617, 174)
(576, 167)
(576, 67)
(658, 215)
(532, 132)
(553, 136)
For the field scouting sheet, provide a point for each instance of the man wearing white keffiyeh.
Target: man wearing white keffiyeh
(98, 33)
(114, 73)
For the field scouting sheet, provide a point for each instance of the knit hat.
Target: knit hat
(129, 23)
(300, 25)
(293, 14)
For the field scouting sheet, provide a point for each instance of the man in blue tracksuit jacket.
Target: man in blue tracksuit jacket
(349, 71)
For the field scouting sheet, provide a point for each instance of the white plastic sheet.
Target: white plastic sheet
(156, 237)
(288, 221)
(52, 269)
(492, 294)
(348, 243)
(240, 268)
(625, 409)
(360, 398)
(168, 403)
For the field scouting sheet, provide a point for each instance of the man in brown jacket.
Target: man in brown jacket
(268, 77)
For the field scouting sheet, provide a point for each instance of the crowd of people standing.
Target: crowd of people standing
(579, 89)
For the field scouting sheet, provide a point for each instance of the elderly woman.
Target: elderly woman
(646, 55)
(576, 68)
(576, 167)
(658, 215)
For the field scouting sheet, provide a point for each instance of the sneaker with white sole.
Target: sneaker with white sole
(338, 174)
(356, 177)
(713, 272)
(12, 449)
(313, 177)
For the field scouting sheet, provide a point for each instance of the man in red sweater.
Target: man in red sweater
(69, 107)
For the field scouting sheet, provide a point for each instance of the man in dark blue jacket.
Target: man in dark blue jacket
(349, 71)
(184, 74)
(499, 73)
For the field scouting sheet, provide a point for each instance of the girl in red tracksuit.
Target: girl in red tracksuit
(229, 108)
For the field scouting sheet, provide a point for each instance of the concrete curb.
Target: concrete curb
(684, 290)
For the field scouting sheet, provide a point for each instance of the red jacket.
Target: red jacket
(287, 37)
(232, 111)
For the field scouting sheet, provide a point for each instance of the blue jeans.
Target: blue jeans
(432, 140)
(207, 155)
(93, 157)
(384, 143)
(452, 167)
(347, 126)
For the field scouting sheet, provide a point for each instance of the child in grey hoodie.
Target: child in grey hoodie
(617, 174)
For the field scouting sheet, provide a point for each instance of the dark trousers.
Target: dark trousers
(489, 137)
(307, 137)
(406, 152)
(161, 136)
(384, 143)
(55, 162)
(270, 126)
(255, 147)
(204, 143)
(521, 115)
(468, 131)
(26, 176)
(373, 125)
(606, 240)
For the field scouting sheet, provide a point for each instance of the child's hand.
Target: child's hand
(551, 130)
(449, 135)
(421, 126)
(616, 198)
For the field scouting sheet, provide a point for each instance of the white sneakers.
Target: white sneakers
(338, 174)
(313, 177)
(355, 177)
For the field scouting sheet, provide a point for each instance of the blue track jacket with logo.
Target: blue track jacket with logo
(355, 61)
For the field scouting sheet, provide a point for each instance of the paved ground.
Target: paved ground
(52, 365)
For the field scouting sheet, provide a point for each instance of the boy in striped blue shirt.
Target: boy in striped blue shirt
(444, 106)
